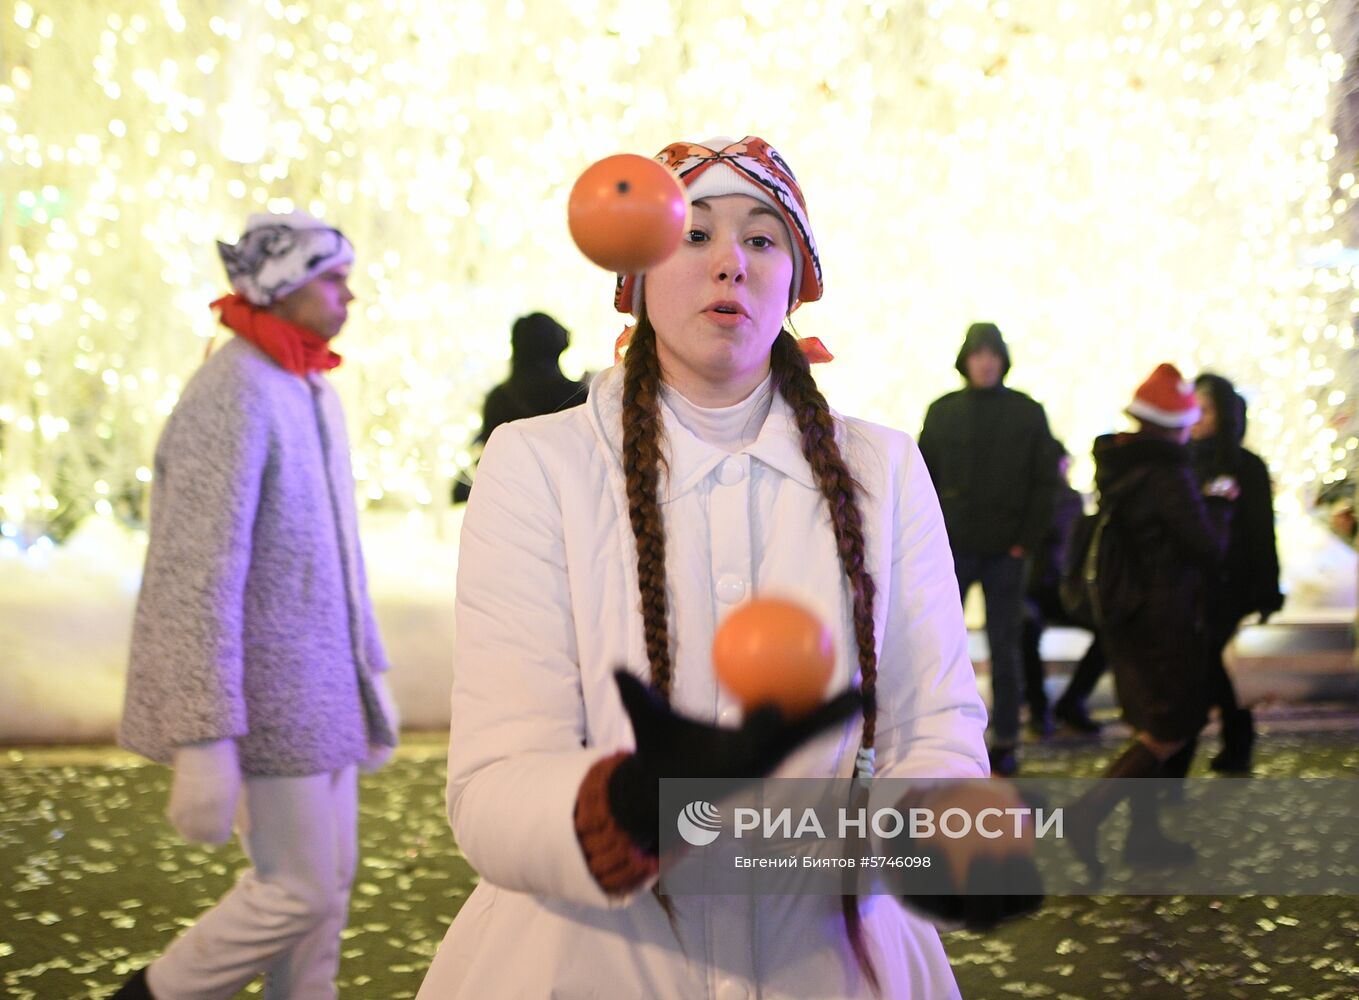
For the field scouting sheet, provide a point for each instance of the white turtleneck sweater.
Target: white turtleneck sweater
(729, 428)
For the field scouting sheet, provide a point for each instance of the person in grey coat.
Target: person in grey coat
(256, 669)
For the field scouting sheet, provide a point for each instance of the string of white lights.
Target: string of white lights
(1114, 184)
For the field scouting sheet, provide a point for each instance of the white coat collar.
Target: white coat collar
(690, 459)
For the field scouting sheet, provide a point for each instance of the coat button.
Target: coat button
(732, 989)
(730, 588)
(731, 472)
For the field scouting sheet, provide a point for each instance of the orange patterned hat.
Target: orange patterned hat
(754, 163)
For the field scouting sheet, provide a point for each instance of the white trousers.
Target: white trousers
(284, 916)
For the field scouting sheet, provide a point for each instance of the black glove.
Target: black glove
(1270, 607)
(671, 746)
(931, 887)
(933, 893)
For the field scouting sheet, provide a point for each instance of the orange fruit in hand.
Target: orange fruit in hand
(627, 213)
(774, 650)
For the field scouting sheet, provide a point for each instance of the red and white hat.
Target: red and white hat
(1165, 399)
(750, 167)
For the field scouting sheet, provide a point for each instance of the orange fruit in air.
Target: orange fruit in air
(774, 650)
(627, 213)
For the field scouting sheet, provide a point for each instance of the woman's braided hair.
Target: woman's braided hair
(642, 460)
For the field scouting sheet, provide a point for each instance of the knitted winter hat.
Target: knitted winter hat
(751, 167)
(983, 336)
(278, 254)
(1165, 399)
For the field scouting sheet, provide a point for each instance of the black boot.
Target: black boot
(1238, 739)
(135, 988)
(1147, 845)
(1089, 811)
(1072, 713)
(1176, 766)
(1004, 760)
(1071, 705)
(1041, 726)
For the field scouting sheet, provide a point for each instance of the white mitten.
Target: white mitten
(379, 754)
(206, 786)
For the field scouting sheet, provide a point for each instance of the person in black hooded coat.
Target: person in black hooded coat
(993, 463)
(536, 384)
(1247, 580)
(1172, 536)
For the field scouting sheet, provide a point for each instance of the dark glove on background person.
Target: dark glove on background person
(672, 746)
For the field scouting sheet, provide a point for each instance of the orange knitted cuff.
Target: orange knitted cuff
(613, 859)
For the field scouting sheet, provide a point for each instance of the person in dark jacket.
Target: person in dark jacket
(536, 384)
(1247, 580)
(992, 461)
(1174, 537)
(1044, 605)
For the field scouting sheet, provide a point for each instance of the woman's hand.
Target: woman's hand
(670, 745)
(959, 885)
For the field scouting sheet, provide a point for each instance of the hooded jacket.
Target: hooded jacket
(1247, 579)
(992, 459)
(536, 384)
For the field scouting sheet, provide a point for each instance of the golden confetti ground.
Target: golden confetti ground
(97, 883)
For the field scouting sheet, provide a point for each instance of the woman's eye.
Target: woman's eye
(695, 236)
(761, 242)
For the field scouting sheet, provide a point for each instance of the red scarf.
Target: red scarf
(295, 349)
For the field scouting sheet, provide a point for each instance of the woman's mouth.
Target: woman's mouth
(727, 314)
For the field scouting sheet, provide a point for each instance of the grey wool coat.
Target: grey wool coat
(254, 620)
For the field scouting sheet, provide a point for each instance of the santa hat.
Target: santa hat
(751, 167)
(1165, 399)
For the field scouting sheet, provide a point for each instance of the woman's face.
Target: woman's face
(1207, 423)
(718, 302)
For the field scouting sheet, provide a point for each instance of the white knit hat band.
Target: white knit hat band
(1152, 414)
(278, 254)
(720, 179)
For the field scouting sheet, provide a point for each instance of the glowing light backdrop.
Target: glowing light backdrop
(1114, 183)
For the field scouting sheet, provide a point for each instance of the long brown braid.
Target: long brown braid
(642, 457)
(642, 461)
(793, 378)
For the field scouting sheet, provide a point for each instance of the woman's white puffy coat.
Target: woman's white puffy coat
(547, 608)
